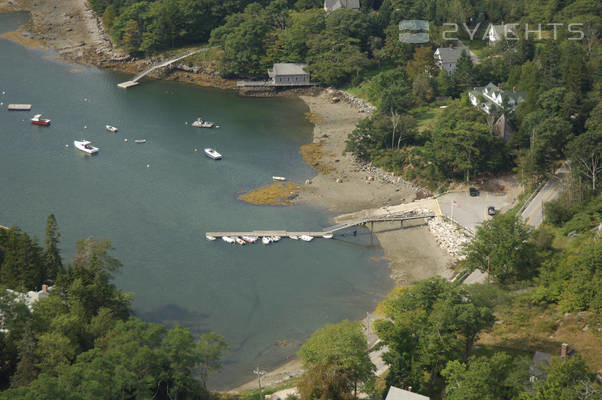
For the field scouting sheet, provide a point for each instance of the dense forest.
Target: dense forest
(81, 341)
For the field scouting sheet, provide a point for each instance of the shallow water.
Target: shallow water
(154, 201)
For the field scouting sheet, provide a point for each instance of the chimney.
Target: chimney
(44, 288)
(564, 348)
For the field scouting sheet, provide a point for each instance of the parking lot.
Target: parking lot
(470, 211)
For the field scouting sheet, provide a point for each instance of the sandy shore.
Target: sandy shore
(354, 191)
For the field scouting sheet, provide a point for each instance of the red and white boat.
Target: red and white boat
(38, 120)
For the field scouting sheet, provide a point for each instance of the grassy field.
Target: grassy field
(426, 116)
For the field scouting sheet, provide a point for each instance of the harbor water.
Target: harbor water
(156, 200)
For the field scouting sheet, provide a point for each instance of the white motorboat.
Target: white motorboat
(275, 238)
(306, 238)
(199, 123)
(240, 241)
(249, 239)
(266, 240)
(327, 236)
(209, 237)
(211, 153)
(294, 237)
(85, 146)
(278, 178)
(140, 141)
(228, 239)
(111, 129)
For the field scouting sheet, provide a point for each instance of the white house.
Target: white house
(487, 98)
(400, 394)
(447, 57)
(331, 5)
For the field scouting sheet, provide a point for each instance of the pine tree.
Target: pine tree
(52, 257)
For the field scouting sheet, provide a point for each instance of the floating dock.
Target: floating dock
(330, 230)
(125, 85)
(19, 107)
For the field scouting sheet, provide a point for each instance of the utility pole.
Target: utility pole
(259, 373)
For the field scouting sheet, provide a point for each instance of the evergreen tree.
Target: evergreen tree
(52, 255)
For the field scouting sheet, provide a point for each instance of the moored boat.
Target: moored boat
(38, 120)
(111, 129)
(85, 146)
(211, 153)
(327, 236)
(275, 238)
(266, 240)
(249, 239)
(227, 239)
(278, 178)
(209, 237)
(240, 241)
(294, 237)
(306, 238)
(140, 141)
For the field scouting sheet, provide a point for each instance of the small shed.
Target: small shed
(289, 74)
(396, 393)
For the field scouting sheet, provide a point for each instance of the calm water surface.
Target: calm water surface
(154, 201)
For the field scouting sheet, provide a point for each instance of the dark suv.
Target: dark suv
(474, 192)
(491, 210)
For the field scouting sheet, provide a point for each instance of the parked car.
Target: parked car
(491, 210)
(474, 192)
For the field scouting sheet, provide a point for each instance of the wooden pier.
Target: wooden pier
(330, 230)
(19, 107)
(134, 80)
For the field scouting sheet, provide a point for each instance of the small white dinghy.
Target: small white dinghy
(294, 237)
(211, 153)
(240, 241)
(227, 239)
(327, 236)
(266, 240)
(249, 239)
(111, 129)
(306, 238)
(275, 238)
(209, 237)
(278, 178)
(140, 141)
(85, 146)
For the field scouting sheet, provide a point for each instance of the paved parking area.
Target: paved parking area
(471, 211)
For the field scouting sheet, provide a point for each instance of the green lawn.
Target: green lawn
(426, 116)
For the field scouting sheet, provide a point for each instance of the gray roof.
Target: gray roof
(400, 394)
(332, 5)
(449, 55)
(289, 69)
